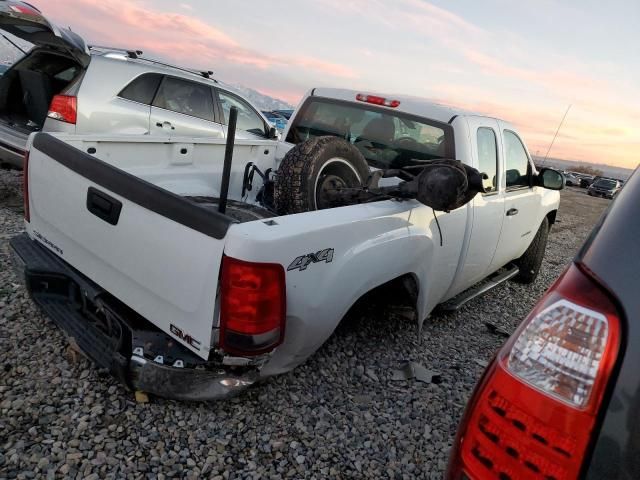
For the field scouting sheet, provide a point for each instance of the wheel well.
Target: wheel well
(551, 216)
(400, 291)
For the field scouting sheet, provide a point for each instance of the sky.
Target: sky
(525, 62)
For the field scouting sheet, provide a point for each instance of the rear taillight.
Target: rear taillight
(533, 413)
(252, 306)
(25, 9)
(375, 100)
(63, 108)
(25, 187)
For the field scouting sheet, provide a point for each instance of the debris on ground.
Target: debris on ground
(413, 370)
(141, 397)
(496, 330)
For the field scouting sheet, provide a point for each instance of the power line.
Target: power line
(556, 134)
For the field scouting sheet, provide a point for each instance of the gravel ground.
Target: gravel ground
(337, 416)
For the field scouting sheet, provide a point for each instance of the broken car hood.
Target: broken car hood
(27, 22)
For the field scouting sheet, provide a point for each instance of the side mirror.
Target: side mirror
(551, 179)
(273, 133)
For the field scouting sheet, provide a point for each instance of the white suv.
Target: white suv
(62, 85)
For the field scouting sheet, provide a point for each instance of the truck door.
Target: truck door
(184, 108)
(521, 201)
(488, 208)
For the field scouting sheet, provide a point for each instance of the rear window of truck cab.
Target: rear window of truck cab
(386, 138)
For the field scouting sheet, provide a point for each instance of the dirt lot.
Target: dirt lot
(339, 415)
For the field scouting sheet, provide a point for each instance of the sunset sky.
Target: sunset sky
(522, 61)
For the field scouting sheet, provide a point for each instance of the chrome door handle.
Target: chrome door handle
(511, 212)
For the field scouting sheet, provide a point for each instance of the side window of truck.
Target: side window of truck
(488, 158)
(142, 89)
(517, 161)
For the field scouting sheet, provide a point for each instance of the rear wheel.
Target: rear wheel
(529, 263)
(312, 169)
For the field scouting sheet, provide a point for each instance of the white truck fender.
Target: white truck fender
(363, 256)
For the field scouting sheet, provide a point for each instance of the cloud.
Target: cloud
(179, 37)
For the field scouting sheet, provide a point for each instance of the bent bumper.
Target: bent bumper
(55, 287)
(186, 383)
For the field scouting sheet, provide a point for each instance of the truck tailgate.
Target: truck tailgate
(160, 254)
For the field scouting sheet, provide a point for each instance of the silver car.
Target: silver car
(64, 85)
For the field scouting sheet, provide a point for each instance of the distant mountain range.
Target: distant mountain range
(260, 100)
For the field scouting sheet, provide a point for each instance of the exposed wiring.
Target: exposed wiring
(438, 224)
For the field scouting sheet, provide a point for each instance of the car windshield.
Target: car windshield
(605, 183)
(385, 138)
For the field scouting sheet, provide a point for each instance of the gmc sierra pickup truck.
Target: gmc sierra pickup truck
(127, 250)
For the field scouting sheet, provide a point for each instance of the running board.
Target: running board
(491, 282)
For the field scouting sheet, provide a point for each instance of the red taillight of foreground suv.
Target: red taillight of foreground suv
(534, 410)
(64, 108)
(252, 306)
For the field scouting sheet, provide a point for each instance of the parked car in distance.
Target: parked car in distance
(561, 398)
(284, 113)
(604, 187)
(571, 179)
(586, 180)
(275, 119)
(232, 298)
(62, 85)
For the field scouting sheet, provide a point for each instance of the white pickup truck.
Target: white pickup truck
(126, 251)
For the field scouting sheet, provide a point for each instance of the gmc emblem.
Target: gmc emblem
(185, 337)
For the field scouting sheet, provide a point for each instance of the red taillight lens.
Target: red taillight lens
(533, 412)
(361, 97)
(25, 187)
(63, 108)
(24, 9)
(252, 306)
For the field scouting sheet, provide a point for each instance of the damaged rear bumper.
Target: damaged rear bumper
(186, 383)
(81, 309)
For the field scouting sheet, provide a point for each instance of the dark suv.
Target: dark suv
(560, 400)
(604, 187)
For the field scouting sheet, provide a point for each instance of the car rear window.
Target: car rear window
(605, 183)
(142, 89)
(386, 139)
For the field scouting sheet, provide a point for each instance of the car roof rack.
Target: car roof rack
(130, 53)
(137, 54)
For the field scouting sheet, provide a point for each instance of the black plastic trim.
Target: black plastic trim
(134, 189)
(10, 148)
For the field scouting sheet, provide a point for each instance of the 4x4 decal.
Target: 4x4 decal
(303, 261)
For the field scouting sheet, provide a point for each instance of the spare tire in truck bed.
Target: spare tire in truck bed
(312, 167)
